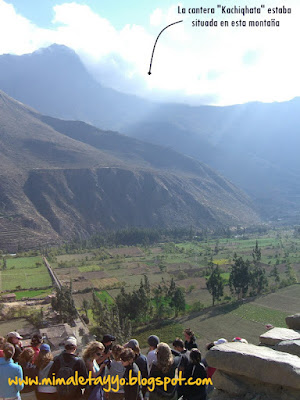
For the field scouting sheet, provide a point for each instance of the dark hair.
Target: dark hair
(127, 355)
(36, 339)
(178, 343)
(70, 347)
(26, 355)
(209, 345)
(195, 356)
(8, 350)
(191, 334)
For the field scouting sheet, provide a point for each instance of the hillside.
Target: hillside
(62, 179)
(254, 145)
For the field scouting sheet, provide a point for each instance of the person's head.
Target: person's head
(36, 340)
(189, 335)
(14, 338)
(44, 356)
(164, 357)
(209, 345)
(178, 345)
(93, 351)
(108, 339)
(240, 340)
(127, 357)
(26, 356)
(2, 342)
(116, 351)
(71, 345)
(220, 341)
(134, 345)
(153, 342)
(8, 350)
(195, 356)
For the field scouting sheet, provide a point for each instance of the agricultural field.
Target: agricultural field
(106, 270)
(24, 273)
(247, 320)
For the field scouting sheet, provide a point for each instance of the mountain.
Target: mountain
(69, 91)
(61, 179)
(255, 145)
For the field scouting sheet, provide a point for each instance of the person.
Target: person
(185, 354)
(153, 342)
(131, 392)
(29, 369)
(195, 370)
(190, 339)
(15, 339)
(239, 340)
(44, 363)
(115, 368)
(64, 366)
(92, 355)
(140, 360)
(9, 369)
(165, 366)
(2, 343)
(36, 341)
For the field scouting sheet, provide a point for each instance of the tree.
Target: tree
(239, 278)
(258, 277)
(178, 301)
(275, 274)
(85, 306)
(63, 303)
(215, 284)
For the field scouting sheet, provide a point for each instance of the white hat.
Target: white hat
(14, 334)
(221, 341)
(71, 340)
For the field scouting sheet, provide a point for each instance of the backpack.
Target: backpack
(65, 372)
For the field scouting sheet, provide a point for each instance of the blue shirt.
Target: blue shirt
(8, 369)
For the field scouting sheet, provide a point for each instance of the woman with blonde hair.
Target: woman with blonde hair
(25, 360)
(165, 366)
(92, 355)
(44, 363)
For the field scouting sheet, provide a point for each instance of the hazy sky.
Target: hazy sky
(197, 65)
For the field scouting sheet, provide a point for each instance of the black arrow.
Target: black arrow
(149, 73)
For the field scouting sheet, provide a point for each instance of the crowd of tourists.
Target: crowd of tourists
(103, 359)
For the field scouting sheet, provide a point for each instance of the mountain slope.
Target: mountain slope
(255, 145)
(60, 179)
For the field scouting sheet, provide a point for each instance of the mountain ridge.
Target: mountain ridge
(57, 187)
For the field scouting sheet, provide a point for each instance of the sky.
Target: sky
(191, 64)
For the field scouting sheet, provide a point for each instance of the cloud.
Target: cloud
(192, 64)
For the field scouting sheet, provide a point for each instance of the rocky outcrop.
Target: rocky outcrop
(277, 335)
(289, 346)
(293, 321)
(249, 371)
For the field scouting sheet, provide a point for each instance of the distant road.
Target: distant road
(53, 275)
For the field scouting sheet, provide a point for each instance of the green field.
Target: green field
(23, 272)
(107, 270)
(32, 293)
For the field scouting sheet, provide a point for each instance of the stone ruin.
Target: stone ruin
(270, 371)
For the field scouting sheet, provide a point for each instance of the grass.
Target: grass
(23, 272)
(167, 333)
(32, 293)
(104, 296)
(256, 313)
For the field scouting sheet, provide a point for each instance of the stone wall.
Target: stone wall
(270, 371)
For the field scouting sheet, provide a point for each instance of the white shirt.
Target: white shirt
(151, 357)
